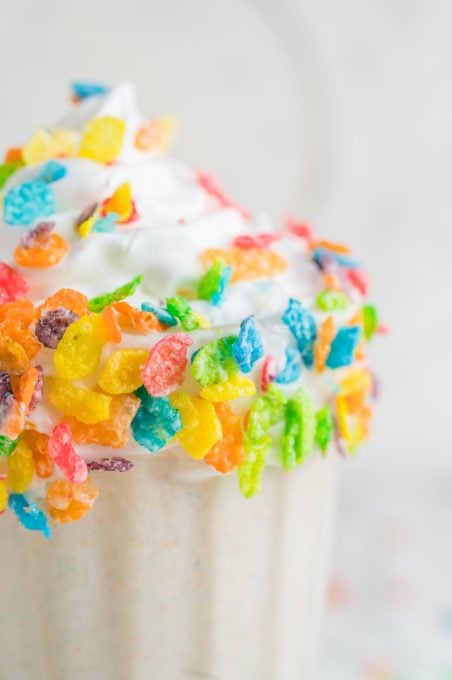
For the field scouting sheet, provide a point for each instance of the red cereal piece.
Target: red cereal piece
(132, 319)
(226, 454)
(62, 450)
(359, 280)
(212, 186)
(300, 229)
(69, 299)
(165, 367)
(257, 241)
(12, 284)
(268, 372)
(111, 320)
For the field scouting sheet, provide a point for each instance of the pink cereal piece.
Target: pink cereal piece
(257, 241)
(359, 280)
(268, 374)
(61, 448)
(300, 229)
(164, 369)
(212, 186)
(383, 329)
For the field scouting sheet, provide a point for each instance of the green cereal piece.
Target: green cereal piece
(178, 307)
(8, 169)
(331, 301)
(370, 320)
(324, 428)
(299, 430)
(7, 445)
(98, 303)
(213, 284)
(250, 471)
(214, 362)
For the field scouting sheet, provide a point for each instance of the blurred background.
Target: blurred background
(341, 114)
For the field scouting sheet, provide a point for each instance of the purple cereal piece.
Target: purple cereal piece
(6, 395)
(51, 326)
(86, 214)
(114, 464)
(29, 239)
(37, 396)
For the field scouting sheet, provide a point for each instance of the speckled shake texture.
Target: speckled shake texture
(172, 577)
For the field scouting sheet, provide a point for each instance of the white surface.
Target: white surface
(351, 101)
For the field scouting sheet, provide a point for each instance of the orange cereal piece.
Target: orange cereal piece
(14, 155)
(249, 263)
(69, 299)
(226, 454)
(332, 282)
(25, 387)
(21, 312)
(68, 502)
(38, 443)
(23, 336)
(156, 134)
(329, 245)
(132, 319)
(42, 256)
(15, 423)
(113, 432)
(13, 357)
(323, 342)
(111, 320)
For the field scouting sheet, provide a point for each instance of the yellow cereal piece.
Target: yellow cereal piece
(122, 371)
(187, 410)
(232, 388)
(120, 202)
(79, 350)
(20, 468)
(3, 496)
(87, 406)
(197, 441)
(102, 139)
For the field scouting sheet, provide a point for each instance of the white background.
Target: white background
(339, 112)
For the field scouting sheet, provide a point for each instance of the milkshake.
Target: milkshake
(177, 377)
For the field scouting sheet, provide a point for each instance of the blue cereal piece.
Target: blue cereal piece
(52, 171)
(161, 314)
(249, 347)
(155, 422)
(29, 515)
(82, 89)
(321, 256)
(292, 368)
(27, 202)
(106, 224)
(343, 346)
(302, 325)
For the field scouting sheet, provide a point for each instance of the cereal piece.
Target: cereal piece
(65, 141)
(27, 202)
(12, 285)
(14, 329)
(8, 406)
(232, 388)
(250, 471)
(14, 421)
(300, 229)
(324, 428)
(69, 299)
(52, 171)
(20, 468)
(102, 139)
(213, 284)
(112, 323)
(3, 497)
(302, 326)
(212, 186)
(187, 410)
(39, 148)
(198, 441)
(156, 134)
(42, 257)
(323, 342)
(120, 202)
(14, 155)
(268, 374)
(85, 405)
(343, 346)
(331, 301)
(250, 263)
(214, 362)
(38, 236)
(249, 346)
(97, 304)
(29, 515)
(179, 308)
(359, 280)
(13, 357)
(38, 442)
(256, 241)
(79, 350)
(161, 314)
(52, 325)
(201, 320)
(292, 368)
(322, 257)
(104, 225)
(7, 170)
(7, 445)
(67, 502)
(82, 89)
(226, 454)
(21, 313)
(165, 366)
(132, 319)
(113, 432)
(370, 320)
(86, 220)
(122, 372)
(299, 430)
(265, 412)
(156, 421)
(113, 464)
(62, 450)
(28, 390)
(329, 245)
